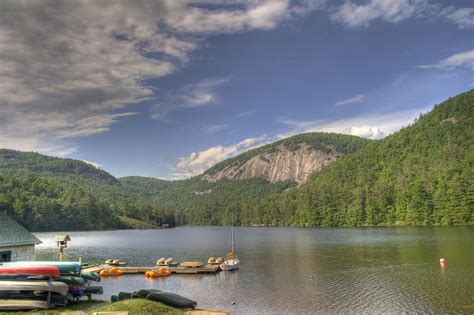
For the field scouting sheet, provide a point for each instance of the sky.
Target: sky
(168, 88)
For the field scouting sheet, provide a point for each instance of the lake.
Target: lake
(295, 270)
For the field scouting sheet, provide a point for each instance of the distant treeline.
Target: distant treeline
(422, 174)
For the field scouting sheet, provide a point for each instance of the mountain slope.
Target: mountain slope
(16, 162)
(291, 159)
(422, 174)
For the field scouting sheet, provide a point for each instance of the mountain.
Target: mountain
(17, 162)
(291, 159)
(423, 174)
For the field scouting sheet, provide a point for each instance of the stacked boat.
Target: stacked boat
(26, 285)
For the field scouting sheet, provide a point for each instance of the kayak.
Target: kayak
(57, 287)
(69, 280)
(51, 271)
(172, 299)
(88, 275)
(15, 305)
(70, 268)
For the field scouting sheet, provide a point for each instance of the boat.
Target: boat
(69, 268)
(172, 299)
(192, 264)
(90, 275)
(18, 305)
(231, 262)
(41, 286)
(162, 272)
(111, 272)
(51, 271)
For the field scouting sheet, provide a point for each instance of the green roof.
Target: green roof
(13, 234)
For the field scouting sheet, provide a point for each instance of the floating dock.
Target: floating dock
(174, 269)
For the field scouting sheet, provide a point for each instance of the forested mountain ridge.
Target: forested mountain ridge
(17, 162)
(422, 174)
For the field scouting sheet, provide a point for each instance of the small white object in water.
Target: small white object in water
(311, 277)
(233, 303)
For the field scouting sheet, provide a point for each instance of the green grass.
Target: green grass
(135, 306)
(73, 307)
(135, 224)
(139, 306)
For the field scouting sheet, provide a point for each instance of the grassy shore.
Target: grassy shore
(133, 307)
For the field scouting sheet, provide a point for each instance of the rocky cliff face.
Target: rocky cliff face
(280, 165)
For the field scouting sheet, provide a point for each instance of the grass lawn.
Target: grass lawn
(139, 306)
(135, 306)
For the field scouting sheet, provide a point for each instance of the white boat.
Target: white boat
(231, 262)
(16, 305)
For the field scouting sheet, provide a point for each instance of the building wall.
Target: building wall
(24, 252)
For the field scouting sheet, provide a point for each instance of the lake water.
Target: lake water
(354, 270)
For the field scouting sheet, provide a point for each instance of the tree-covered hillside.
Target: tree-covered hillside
(422, 174)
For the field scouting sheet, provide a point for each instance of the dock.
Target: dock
(174, 269)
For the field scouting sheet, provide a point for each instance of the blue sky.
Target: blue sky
(167, 89)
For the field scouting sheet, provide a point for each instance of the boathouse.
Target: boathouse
(16, 242)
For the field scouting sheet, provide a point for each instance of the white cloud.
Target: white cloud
(367, 132)
(460, 60)
(356, 99)
(199, 161)
(463, 17)
(370, 126)
(359, 15)
(70, 68)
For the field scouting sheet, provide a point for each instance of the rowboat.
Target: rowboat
(45, 286)
(70, 268)
(51, 271)
(15, 305)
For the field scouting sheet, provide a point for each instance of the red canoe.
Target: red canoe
(51, 271)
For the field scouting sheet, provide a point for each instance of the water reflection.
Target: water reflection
(370, 270)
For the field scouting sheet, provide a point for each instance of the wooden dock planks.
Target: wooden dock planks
(177, 270)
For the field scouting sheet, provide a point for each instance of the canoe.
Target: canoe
(172, 299)
(90, 275)
(51, 271)
(70, 268)
(17, 305)
(71, 280)
(94, 290)
(56, 299)
(57, 287)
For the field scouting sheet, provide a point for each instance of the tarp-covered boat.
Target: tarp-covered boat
(172, 299)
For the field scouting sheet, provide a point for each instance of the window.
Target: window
(5, 256)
